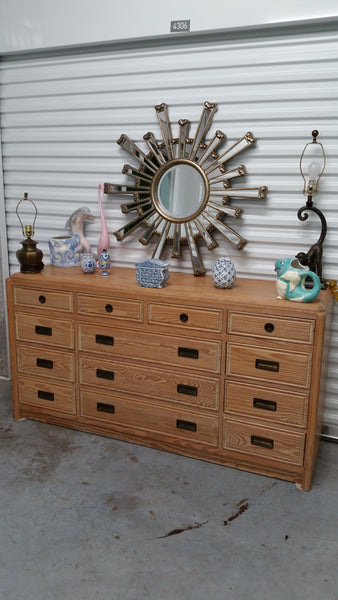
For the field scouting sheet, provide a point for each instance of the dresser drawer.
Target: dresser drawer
(264, 442)
(45, 331)
(152, 383)
(178, 424)
(43, 299)
(49, 396)
(204, 319)
(271, 327)
(115, 308)
(266, 404)
(161, 349)
(278, 366)
(46, 362)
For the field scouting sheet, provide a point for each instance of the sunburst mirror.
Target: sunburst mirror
(182, 187)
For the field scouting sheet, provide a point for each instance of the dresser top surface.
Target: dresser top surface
(181, 287)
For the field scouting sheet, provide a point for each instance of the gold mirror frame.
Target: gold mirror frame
(216, 177)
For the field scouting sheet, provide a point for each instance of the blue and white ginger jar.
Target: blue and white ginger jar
(224, 273)
(88, 263)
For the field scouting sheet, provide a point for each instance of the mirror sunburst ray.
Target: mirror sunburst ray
(176, 189)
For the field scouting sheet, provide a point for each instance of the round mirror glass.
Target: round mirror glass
(181, 192)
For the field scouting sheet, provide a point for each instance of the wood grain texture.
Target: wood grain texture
(112, 308)
(284, 446)
(266, 404)
(185, 317)
(268, 364)
(271, 328)
(43, 299)
(235, 376)
(151, 347)
(178, 387)
(61, 331)
(151, 417)
(46, 363)
(48, 396)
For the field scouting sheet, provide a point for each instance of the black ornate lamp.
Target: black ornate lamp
(312, 165)
(29, 256)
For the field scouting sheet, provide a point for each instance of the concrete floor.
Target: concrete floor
(89, 518)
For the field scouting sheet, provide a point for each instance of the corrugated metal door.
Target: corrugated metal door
(62, 115)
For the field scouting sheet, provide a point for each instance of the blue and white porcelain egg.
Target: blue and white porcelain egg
(224, 273)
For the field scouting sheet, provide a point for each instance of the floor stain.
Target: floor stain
(132, 458)
(6, 428)
(177, 531)
(269, 487)
(242, 506)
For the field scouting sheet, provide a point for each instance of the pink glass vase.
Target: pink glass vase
(103, 243)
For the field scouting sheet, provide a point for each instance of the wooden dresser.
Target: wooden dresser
(235, 377)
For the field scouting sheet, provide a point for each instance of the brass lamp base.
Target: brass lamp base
(30, 257)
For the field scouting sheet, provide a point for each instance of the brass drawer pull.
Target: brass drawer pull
(42, 299)
(269, 327)
(46, 395)
(184, 317)
(106, 340)
(109, 308)
(191, 390)
(187, 352)
(103, 407)
(265, 404)
(187, 425)
(44, 363)
(40, 330)
(267, 365)
(102, 374)
(256, 440)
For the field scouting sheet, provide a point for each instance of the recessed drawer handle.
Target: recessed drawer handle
(43, 330)
(184, 317)
(256, 440)
(267, 365)
(187, 425)
(265, 404)
(46, 395)
(44, 363)
(109, 308)
(107, 340)
(103, 407)
(42, 299)
(191, 390)
(187, 352)
(102, 374)
(269, 327)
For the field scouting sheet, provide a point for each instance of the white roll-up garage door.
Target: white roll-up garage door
(61, 115)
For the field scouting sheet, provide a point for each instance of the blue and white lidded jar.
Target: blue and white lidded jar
(88, 263)
(224, 273)
(152, 273)
(104, 263)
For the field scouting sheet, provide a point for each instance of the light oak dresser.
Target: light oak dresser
(234, 377)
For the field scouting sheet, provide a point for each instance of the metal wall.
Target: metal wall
(62, 114)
